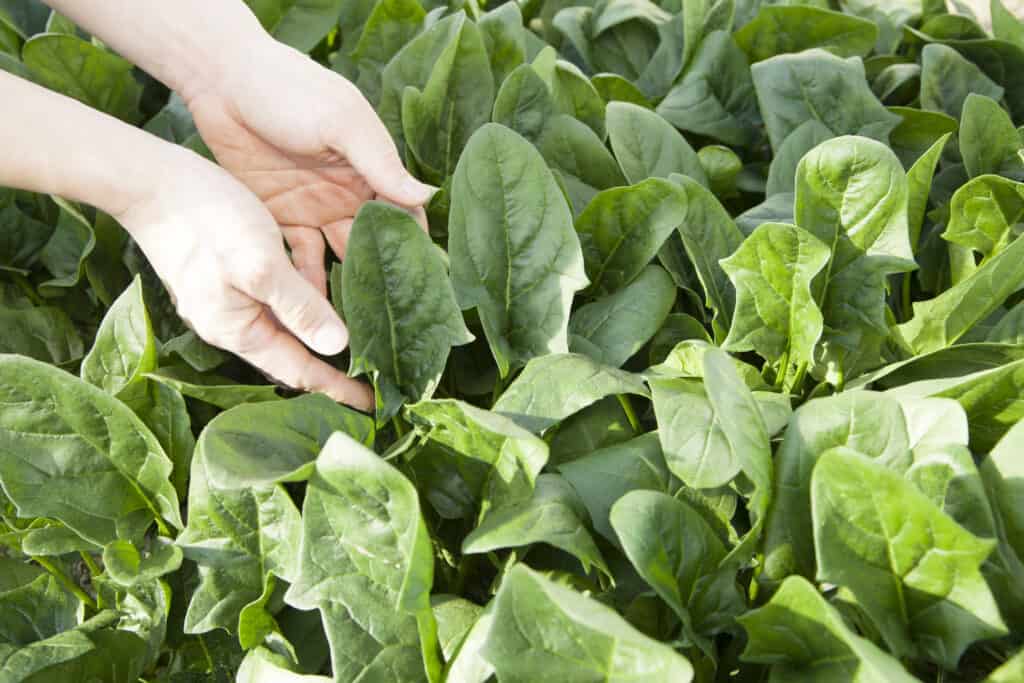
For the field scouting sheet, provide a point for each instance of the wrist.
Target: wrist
(216, 66)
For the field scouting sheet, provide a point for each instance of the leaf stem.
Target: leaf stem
(94, 568)
(162, 528)
(798, 378)
(627, 407)
(906, 308)
(65, 580)
(400, 429)
(27, 289)
(780, 375)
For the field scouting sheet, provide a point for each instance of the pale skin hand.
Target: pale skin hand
(304, 141)
(313, 158)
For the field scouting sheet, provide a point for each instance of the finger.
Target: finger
(296, 303)
(308, 248)
(420, 214)
(273, 350)
(362, 137)
(337, 235)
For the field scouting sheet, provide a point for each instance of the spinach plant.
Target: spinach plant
(711, 367)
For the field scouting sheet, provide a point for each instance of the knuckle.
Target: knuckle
(255, 273)
(306, 316)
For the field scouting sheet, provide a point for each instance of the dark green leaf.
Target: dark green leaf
(495, 460)
(505, 197)
(299, 23)
(647, 146)
(554, 387)
(947, 79)
(554, 515)
(779, 29)
(88, 73)
(118, 483)
(401, 329)
(816, 643)
(815, 84)
(622, 229)
(378, 620)
(715, 96)
(620, 324)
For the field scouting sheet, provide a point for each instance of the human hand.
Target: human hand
(219, 251)
(308, 144)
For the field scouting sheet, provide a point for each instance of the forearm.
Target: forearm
(186, 44)
(56, 145)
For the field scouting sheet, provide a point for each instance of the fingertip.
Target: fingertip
(355, 394)
(412, 192)
(330, 340)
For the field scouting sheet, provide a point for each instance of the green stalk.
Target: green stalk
(780, 375)
(65, 580)
(627, 407)
(400, 429)
(27, 288)
(906, 307)
(94, 568)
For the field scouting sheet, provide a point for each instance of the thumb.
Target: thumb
(297, 304)
(367, 144)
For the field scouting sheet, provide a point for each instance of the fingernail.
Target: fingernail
(416, 188)
(331, 340)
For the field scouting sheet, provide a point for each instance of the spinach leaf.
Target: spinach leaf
(401, 330)
(815, 84)
(646, 146)
(776, 314)
(619, 324)
(781, 29)
(817, 641)
(350, 486)
(50, 417)
(88, 73)
(715, 96)
(541, 628)
(299, 23)
(522, 289)
(913, 569)
(554, 515)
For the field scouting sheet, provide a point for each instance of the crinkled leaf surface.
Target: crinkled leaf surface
(542, 629)
(912, 568)
(554, 387)
(72, 452)
(515, 256)
(497, 459)
(402, 328)
(869, 423)
(619, 324)
(816, 643)
(776, 314)
(365, 563)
